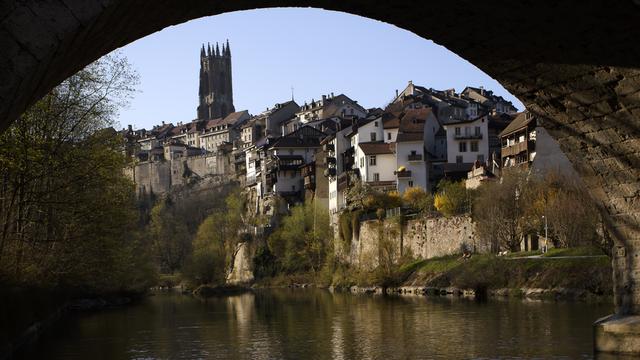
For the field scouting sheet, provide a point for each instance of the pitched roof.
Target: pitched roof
(390, 121)
(518, 123)
(414, 119)
(406, 137)
(377, 148)
(306, 136)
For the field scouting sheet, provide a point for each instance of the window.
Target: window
(361, 162)
(376, 177)
(481, 158)
(477, 130)
(457, 131)
(458, 159)
(388, 136)
(375, 123)
(372, 160)
(462, 147)
(410, 183)
(373, 136)
(474, 146)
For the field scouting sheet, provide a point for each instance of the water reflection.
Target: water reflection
(302, 324)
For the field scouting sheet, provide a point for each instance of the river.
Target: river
(318, 324)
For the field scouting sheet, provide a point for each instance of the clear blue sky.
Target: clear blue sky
(314, 51)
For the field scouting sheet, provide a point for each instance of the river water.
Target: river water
(318, 324)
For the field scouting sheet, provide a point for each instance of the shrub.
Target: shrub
(418, 199)
(452, 198)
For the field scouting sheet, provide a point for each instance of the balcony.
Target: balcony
(331, 160)
(516, 148)
(403, 174)
(467, 136)
(415, 157)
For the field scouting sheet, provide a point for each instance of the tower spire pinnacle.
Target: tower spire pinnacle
(202, 54)
(208, 49)
(217, 49)
(228, 48)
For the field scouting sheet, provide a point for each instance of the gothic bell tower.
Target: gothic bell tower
(216, 93)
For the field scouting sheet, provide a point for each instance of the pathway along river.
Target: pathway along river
(318, 324)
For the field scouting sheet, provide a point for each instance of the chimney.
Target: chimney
(324, 98)
(130, 127)
(396, 92)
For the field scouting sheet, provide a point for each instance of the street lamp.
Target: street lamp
(545, 234)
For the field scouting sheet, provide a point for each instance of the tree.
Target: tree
(67, 213)
(358, 192)
(208, 261)
(418, 199)
(299, 243)
(498, 211)
(452, 198)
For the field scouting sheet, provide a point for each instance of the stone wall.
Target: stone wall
(420, 238)
(159, 176)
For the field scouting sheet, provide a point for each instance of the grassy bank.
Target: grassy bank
(591, 274)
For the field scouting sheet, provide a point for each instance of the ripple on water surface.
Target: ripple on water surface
(317, 324)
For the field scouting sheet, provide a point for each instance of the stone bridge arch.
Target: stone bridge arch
(576, 64)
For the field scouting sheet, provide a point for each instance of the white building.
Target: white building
(219, 131)
(467, 141)
(329, 106)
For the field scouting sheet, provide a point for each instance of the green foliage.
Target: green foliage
(418, 199)
(170, 238)
(382, 200)
(67, 212)
(452, 198)
(264, 263)
(300, 242)
(491, 272)
(214, 244)
(207, 263)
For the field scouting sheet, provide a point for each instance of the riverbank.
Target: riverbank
(571, 274)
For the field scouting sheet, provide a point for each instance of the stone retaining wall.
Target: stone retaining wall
(420, 238)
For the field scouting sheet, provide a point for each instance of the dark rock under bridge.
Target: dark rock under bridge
(575, 64)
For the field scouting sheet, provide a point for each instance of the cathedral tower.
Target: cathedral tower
(216, 93)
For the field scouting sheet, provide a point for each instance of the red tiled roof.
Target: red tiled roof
(377, 148)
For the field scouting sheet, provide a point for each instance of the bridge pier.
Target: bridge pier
(617, 334)
(620, 333)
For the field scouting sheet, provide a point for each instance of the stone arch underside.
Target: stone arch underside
(577, 66)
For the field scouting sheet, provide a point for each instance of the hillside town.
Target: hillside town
(317, 149)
